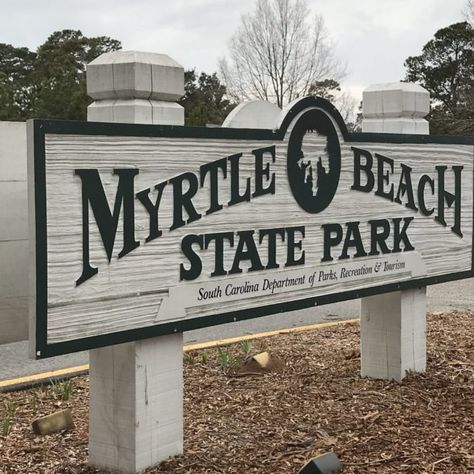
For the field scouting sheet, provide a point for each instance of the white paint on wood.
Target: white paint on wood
(136, 402)
(135, 75)
(32, 269)
(398, 107)
(154, 267)
(396, 99)
(136, 409)
(136, 111)
(393, 326)
(295, 284)
(393, 334)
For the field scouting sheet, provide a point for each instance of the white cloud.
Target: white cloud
(373, 36)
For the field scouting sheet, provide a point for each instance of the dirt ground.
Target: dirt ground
(272, 423)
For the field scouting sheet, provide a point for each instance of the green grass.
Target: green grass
(6, 425)
(62, 389)
(204, 356)
(245, 347)
(34, 401)
(226, 359)
(10, 408)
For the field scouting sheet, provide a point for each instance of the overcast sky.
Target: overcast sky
(373, 37)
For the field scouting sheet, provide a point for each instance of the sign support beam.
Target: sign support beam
(142, 230)
(136, 389)
(393, 325)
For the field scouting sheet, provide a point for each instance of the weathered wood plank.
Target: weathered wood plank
(154, 266)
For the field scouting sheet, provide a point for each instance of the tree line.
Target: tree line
(445, 68)
(279, 53)
(51, 81)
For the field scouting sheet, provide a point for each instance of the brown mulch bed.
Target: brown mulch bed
(272, 423)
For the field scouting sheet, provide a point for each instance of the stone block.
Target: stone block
(100, 81)
(59, 421)
(167, 81)
(393, 100)
(327, 463)
(135, 75)
(411, 126)
(371, 125)
(167, 113)
(136, 111)
(133, 111)
(132, 80)
(101, 111)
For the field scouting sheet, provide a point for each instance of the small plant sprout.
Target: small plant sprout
(204, 356)
(62, 389)
(246, 347)
(34, 401)
(225, 358)
(189, 358)
(6, 425)
(10, 408)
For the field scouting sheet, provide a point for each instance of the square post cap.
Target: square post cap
(395, 100)
(135, 75)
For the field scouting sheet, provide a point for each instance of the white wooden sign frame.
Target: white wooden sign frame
(332, 216)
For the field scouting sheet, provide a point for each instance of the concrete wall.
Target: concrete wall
(13, 233)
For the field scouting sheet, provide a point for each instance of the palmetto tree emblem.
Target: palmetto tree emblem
(314, 161)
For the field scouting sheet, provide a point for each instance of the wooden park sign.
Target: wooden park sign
(144, 230)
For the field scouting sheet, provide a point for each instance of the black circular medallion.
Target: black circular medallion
(314, 161)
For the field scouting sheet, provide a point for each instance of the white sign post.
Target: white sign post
(136, 388)
(140, 230)
(393, 325)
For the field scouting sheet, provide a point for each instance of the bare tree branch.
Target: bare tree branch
(469, 12)
(278, 51)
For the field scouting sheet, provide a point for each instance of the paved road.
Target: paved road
(448, 296)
